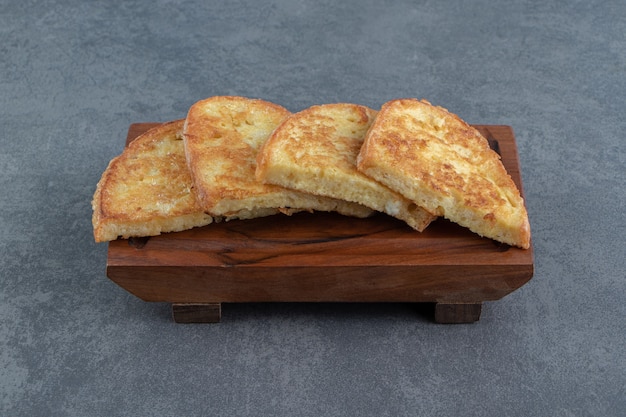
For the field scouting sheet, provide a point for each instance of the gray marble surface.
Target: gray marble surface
(75, 74)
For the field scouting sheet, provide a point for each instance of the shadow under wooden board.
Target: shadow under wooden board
(324, 257)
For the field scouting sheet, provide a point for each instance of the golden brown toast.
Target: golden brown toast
(435, 159)
(223, 135)
(147, 190)
(315, 151)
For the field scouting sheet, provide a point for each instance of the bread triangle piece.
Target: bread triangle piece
(223, 135)
(147, 189)
(434, 158)
(315, 151)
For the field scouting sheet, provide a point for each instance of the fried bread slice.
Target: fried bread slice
(222, 137)
(434, 158)
(315, 151)
(147, 189)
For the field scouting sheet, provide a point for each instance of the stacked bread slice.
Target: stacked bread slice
(315, 151)
(147, 189)
(240, 158)
(435, 159)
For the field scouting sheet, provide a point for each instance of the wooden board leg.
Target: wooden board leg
(451, 313)
(197, 313)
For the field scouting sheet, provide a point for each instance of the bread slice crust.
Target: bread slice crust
(147, 189)
(437, 160)
(222, 137)
(315, 151)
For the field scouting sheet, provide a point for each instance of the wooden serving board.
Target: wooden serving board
(324, 257)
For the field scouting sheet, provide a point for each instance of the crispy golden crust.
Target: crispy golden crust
(222, 139)
(315, 151)
(434, 158)
(147, 189)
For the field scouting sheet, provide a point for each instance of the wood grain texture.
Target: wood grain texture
(324, 257)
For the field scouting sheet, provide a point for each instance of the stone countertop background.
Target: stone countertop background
(74, 75)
